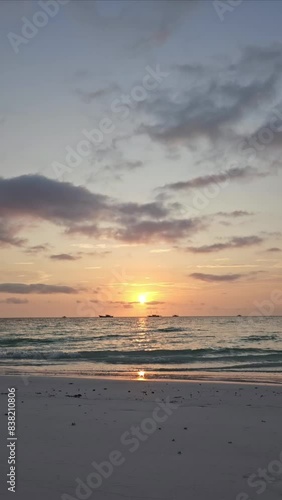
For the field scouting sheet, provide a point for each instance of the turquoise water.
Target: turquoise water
(163, 347)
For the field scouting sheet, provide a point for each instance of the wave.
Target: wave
(259, 338)
(9, 342)
(169, 329)
(18, 341)
(165, 356)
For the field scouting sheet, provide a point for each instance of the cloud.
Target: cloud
(214, 103)
(133, 165)
(235, 214)
(153, 231)
(80, 211)
(120, 302)
(38, 288)
(153, 210)
(88, 96)
(8, 233)
(211, 278)
(190, 69)
(64, 256)
(77, 210)
(14, 301)
(253, 57)
(112, 161)
(235, 242)
(38, 197)
(233, 174)
(94, 254)
(63, 203)
(154, 303)
(90, 230)
(37, 249)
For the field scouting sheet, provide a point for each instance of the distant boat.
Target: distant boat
(106, 316)
(175, 316)
(154, 316)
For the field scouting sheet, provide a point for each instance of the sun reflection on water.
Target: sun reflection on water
(141, 375)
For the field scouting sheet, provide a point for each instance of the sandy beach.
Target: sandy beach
(112, 439)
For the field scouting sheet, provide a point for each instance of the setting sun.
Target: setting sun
(142, 299)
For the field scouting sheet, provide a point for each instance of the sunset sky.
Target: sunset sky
(140, 158)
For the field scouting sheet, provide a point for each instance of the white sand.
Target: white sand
(205, 449)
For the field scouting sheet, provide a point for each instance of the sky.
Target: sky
(140, 158)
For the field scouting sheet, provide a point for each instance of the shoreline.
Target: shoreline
(25, 381)
(262, 378)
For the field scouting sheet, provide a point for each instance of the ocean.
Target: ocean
(224, 348)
